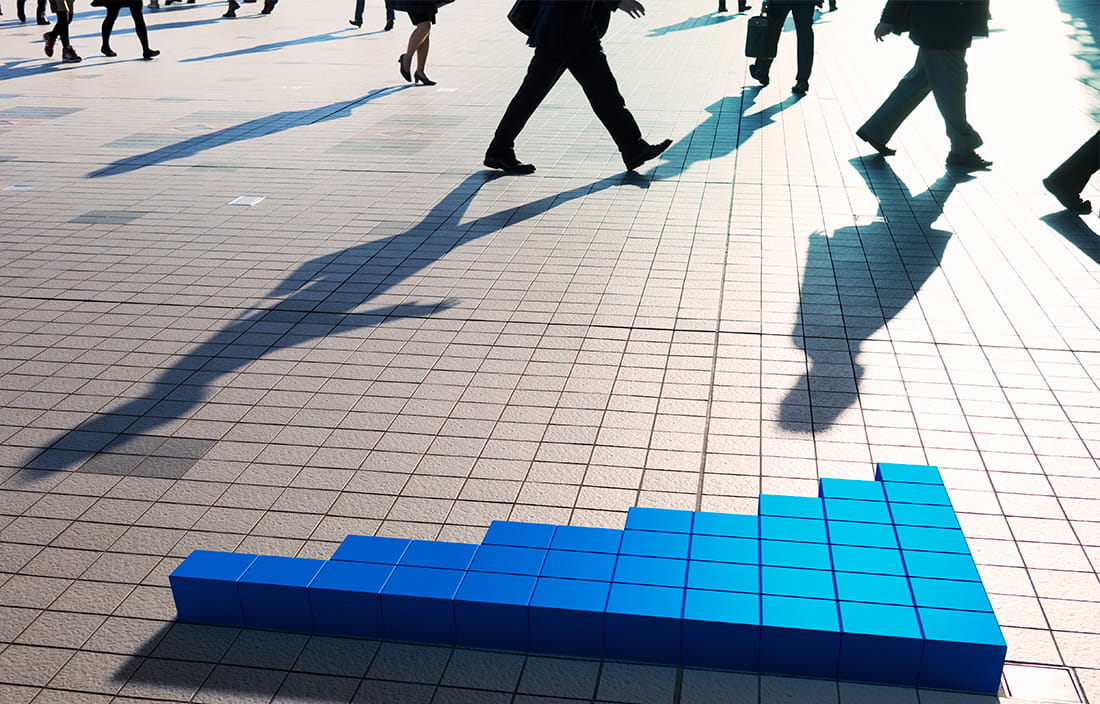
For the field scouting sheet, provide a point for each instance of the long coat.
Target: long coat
(939, 24)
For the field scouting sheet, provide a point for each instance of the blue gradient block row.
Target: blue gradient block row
(869, 581)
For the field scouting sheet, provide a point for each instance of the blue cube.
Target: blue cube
(925, 515)
(344, 598)
(519, 535)
(851, 489)
(721, 630)
(799, 636)
(432, 553)
(733, 525)
(418, 604)
(873, 588)
(718, 548)
(857, 510)
(567, 617)
(644, 623)
(950, 594)
(792, 581)
(655, 544)
(659, 519)
(962, 650)
(204, 587)
(274, 593)
(880, 643)
(872, 535)
(898, 492)
(911, 473)
(807, 530)
(941, 565)
(370, 548)
(783, 553)
(723, 576)
(933, 539)
(507, 559)
(567, 564)
(491, 610)
(655, 571)
(792, 506)
(584, 539)
(848, 558)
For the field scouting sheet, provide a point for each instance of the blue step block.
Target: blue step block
(872, 535)
(274, 593)
(910, 473)
(799, 636)
(732, 525)
(519, 535)
(650, 543)
(932, 539)
(431, 553)
(717, 548)
(873, 588)
(723, 576)
(950, 594)
(659, 519)
(858, 510)
(508, 560)
(369, 548)
(418, 604)
(807, 530)
(851, 489)
(584, 539)
(793, 581)
(880, 643)
(345, 598)
(792, 506)
(491, 610)
(721, 630)
(204, 587)
(848, 558)
(898, 492)
(566, 564)
(924, 515)
(940, 565)
(962, 650)
(654, 571)
(567, 617)
(643, 623)
(784, 553)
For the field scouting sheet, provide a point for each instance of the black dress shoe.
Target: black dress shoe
(508, 163)
(1070, 201)
(879, 146)
(389, 26)
(759, 75)
(968, 161)
(355, 23)
(644, 153)
(800, 87)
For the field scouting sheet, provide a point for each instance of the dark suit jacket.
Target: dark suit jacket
(939, 24)
(562, 25)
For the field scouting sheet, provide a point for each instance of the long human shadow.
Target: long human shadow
(322, 296)
(1076, 232)
(707, 20)
(856, 280)
(335, 35)
(728, 126)
(1082, 22)
(253, 129)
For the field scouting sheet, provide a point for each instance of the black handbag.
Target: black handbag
(523, 14)
(756, 36)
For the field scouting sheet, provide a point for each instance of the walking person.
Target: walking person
(742, 6)
(942, 30)
(269, 5)
(422, 14)
(803, 12)
(1067, 181)
(21, 11)
(63, 10)
(566, 37)
(113, 7)
(357, 19)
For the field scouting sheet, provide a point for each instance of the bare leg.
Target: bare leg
(419, 36)
(422, 54)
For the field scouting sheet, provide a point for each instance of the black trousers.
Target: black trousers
(590, 68)
(1075, 172)
(804, 31)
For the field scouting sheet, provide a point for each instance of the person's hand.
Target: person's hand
(632, 7)
(882, 29)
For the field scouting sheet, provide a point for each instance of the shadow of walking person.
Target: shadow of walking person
(856, 280)
(1076, 232)
(322, 297)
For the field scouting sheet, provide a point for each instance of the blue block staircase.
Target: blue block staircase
(870, 581)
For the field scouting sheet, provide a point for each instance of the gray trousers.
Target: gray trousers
(941, 72)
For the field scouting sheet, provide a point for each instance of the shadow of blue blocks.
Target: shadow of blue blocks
(868, 581)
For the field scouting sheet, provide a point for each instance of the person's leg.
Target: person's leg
(590, 68)
(232, 11)
(542, 74)
(141, 30)
(21, 10)
(41, 13)
(357, 18)
(105, 30)
(947, 76)
(760, 69)
(419, 36)
(911, 90)
(390, 16)
(1068, 180)
(804, 31)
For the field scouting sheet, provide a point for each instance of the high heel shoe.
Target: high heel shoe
(106, 51)
(149, 54)
(404, 71)
(419, 77)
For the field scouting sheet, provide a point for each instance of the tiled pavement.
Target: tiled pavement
(394, 342)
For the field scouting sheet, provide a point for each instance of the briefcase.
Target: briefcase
(756, 38)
